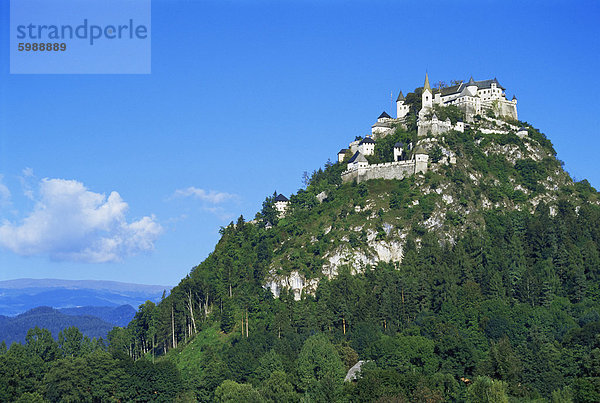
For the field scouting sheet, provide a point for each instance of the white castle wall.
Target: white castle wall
(389, 170)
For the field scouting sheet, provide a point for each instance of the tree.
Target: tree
(96, 377)
(320, 369)
(70, 341)
(20, 372)
(278, 388)
(30, 397)
(305, 179)
(487, 390)
(233, 392)
(436, 154)
(227, 317)
(268, 363)
(39, 342)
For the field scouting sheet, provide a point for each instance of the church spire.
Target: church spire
(426, 86)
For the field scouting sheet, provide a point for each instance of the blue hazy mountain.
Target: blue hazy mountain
(119, 316)
(14, 329)
(21, 295)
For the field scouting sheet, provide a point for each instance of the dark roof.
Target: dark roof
(281, 197)
(357, 156)
(514, 97)
(449, 90)
(384, 115)
(488, 84)
(400, 97)
(368, 140)
(399, 145)
(343, 151)
(522, 128)
(419, 150)
(456, 89)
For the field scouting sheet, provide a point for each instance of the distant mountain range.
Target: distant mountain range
(21, 295)
(14, 329)
(119, 316)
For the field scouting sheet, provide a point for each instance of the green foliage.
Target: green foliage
(486, 390)
(39, 342)
(494, 304)
(29, 397)
(384, 147)
(70, 341)
(277, 388)
(320, 369)
(233, 392)
(268, 363)
(452, 112)
(227, 317)
(530, 173)
(407, 354)
(436, 154)
(78, 379)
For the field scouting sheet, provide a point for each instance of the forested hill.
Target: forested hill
(477, 277)
(477, 281)
(14, 329)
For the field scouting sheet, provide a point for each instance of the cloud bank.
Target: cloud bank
(211, 196)
(70, 222)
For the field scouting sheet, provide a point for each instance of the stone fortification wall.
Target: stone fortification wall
(389, 170)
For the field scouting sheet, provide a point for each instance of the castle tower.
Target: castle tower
(472, 87)
(421, 158)
(427, 96)
(401, 109)
(281, 205)
(367, 146)
(398, 151)
(342, 154)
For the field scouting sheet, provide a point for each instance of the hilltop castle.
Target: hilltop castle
(473, 98)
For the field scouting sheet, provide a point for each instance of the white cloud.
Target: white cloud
(219, 212)
(27, 179)
(69, 222)
(211, 196)
(4, 192)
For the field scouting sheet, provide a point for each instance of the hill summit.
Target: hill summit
(448, 178)
(447, 249)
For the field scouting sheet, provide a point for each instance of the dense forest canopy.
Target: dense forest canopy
(500, 303)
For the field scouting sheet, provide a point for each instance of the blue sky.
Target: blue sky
(129, 177)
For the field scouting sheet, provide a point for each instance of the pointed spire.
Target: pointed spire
(426, 86)
(400, 97)
(471, 81)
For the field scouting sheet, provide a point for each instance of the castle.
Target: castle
(473, 98)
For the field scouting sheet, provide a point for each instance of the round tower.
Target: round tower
(401, 109)
(471, 86)
(421, 159)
